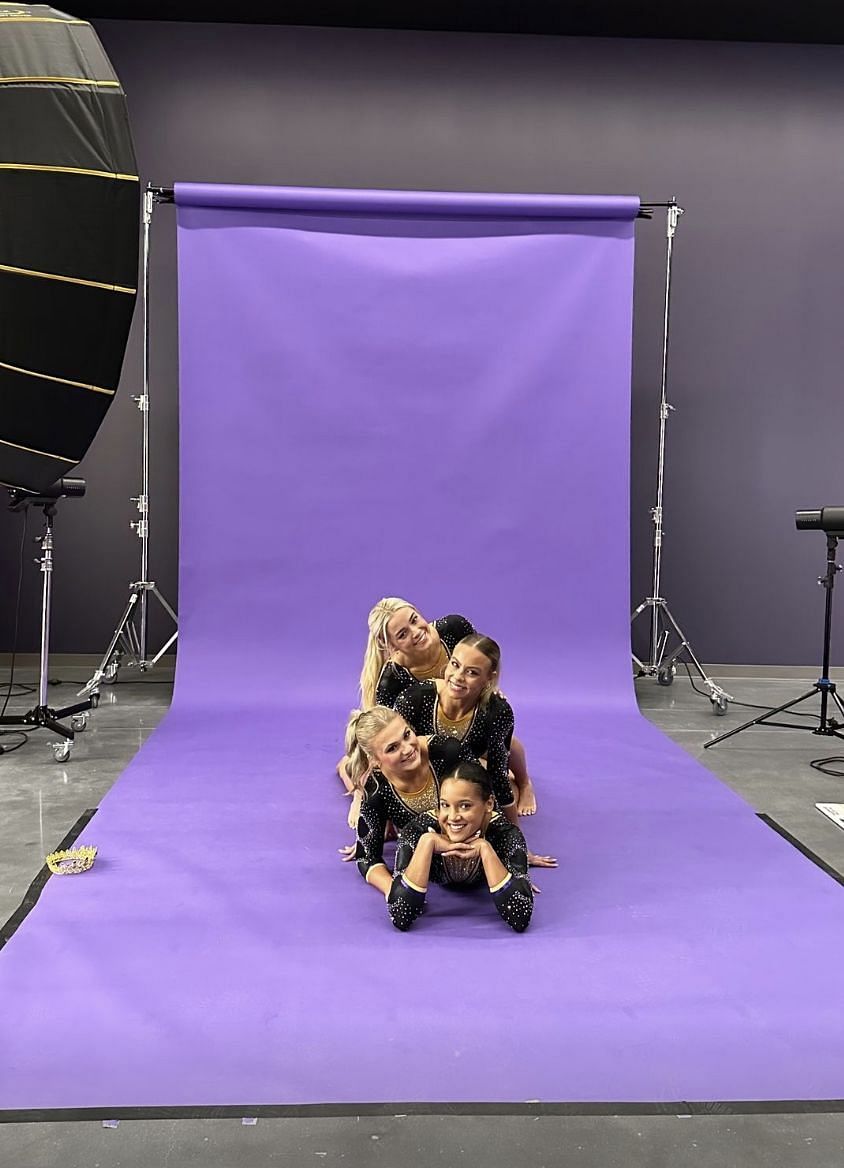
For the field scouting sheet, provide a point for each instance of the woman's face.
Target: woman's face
(395, 749)
(463, 810)
(466, 674)
(408, 633)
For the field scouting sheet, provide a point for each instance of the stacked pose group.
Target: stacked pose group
(432, 755)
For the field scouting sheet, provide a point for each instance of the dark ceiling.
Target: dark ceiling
(804, 21)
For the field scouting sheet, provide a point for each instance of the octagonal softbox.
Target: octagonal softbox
(68, 241)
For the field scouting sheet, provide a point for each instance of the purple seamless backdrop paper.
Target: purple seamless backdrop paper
(434, 406)
(410, 393)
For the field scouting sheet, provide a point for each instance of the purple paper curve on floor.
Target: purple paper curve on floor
(435, 408)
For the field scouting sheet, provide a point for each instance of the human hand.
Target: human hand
(439, 844)
(541, 861)
(469, 849)
(347, 853)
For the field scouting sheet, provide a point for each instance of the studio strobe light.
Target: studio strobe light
(68, 276)
(829, 519)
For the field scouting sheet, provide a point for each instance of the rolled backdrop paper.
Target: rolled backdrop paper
(422, 395)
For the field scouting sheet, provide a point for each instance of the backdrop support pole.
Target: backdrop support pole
(661, 663)
(130, 639)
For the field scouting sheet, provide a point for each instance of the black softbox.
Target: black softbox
(69, 216)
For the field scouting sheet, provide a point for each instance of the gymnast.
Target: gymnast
(465, 842)
(399, 774)
(466, 704)
(404, 648)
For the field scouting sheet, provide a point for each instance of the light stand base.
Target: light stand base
(127, 643)
(42, 716)
(826, 726)
(46, 718)
(662, 664)
(823, 686)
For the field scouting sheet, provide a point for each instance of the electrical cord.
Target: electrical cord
(745, 705)
(822, 765)
(24, 738)
(818, 764)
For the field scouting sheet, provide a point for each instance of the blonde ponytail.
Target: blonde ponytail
(377, 647)
(362, 727)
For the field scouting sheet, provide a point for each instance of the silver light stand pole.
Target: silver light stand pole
(130, 639)
(44, 716)
(662, 664)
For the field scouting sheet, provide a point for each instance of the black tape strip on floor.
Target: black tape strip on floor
(37, 886)
(401, 1110)
(801, 847)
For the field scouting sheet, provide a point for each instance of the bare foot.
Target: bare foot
(527, 799)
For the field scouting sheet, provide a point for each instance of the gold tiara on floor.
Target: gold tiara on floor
(71, 861)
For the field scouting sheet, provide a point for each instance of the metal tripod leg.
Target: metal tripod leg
(662, 665)
(715, 690)
(93, 683)
(762, 719)
(126, 638)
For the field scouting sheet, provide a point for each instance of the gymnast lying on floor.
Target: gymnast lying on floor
(466, 843)
(402, 649)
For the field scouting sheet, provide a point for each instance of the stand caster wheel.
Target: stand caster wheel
(79, 722)
(110, 672)
(94, 697)
(666, 676)
(61, 751)
(720, 705)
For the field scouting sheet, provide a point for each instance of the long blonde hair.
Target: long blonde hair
(362, 727)
(492, 651)
(377, 648)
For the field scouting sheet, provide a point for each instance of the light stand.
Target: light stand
(130, 639)
(44, 716)
(823, 685)
(662, 664)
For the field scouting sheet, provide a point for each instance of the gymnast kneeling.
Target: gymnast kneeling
(465, 842)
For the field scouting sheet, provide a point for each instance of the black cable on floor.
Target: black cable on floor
(24, 738)
(822, 765)
(745, 705)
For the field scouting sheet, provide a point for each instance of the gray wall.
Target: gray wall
(749, 138)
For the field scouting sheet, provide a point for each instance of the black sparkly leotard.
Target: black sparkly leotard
(395, 678)
(382, 803)
(489, 733)
(513, 898)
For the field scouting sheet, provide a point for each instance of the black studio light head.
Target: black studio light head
(64, 488)
(828, 519)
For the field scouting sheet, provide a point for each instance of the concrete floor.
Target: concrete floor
(42, 799)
